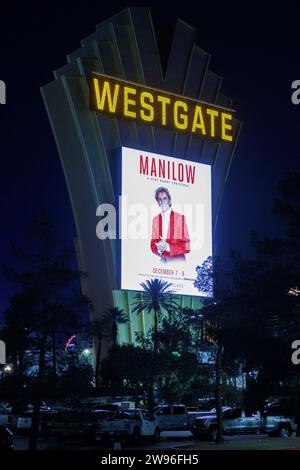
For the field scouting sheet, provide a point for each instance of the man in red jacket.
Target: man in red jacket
(170, 237)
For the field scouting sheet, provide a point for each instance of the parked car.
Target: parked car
(233, 423)
(193, 415)
(75, 424)
(24, 421)
(275, 422)
(171, 417)
(236, 421)
(6, 438)
(177, 417)
(131, 424)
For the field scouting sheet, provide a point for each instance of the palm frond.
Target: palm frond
(157, 295)
(117, 315)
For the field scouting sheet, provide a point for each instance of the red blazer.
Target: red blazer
(177, 238)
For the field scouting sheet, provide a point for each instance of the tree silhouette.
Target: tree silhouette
(48, 300)
(107, 325)
(156, 297)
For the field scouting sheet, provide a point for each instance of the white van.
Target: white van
(171, 417)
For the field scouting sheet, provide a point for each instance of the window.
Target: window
(233, 414)
(178, 410)
(146, 415)
(127, 414)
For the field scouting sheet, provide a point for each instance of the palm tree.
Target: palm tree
(101, 328)
(157, 296)
(115, 316)
(98, 330)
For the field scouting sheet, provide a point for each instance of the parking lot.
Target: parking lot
(180, 440)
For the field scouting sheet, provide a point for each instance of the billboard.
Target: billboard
(165, 220)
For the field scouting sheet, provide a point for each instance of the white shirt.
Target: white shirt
(165, 224)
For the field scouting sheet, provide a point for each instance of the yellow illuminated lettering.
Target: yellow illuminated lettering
(198, 122)
(106, 96)
(225, 126)
(160, 108)
(184, 119)
(164, 101)
(150, 115)
(129, 102)
(213, 114)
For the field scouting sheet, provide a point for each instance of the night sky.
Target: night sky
(256, 52)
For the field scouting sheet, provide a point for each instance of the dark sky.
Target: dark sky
(257, 52)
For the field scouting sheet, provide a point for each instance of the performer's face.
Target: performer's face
(163, 201)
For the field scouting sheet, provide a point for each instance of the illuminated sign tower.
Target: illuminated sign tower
(181, 114)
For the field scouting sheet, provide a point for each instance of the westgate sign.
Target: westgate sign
(159, 108)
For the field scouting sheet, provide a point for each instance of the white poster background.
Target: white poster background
(139, 206)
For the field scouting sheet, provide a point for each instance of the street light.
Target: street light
(7, 368)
